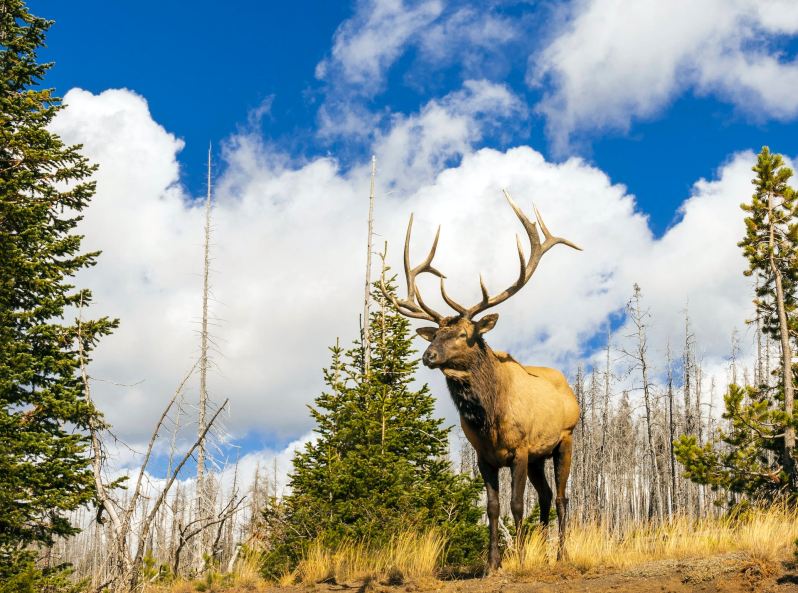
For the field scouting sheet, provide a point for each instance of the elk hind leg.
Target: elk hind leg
(562, 467)
(537, 476)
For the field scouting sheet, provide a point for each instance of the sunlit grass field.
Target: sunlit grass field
(764, 535)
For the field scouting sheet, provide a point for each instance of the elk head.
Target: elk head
(458, 339)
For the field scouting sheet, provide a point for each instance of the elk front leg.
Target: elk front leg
(562, 467)
(519, 475)
(490, 475)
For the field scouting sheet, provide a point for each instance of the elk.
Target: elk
(513, 415)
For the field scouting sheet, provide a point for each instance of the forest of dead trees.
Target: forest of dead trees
(624, 472)
(624, 469)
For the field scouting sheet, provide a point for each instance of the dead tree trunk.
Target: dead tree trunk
(788, 462)
(687, 369)
(367, 289)
(639, 356)
(671, 434)
(605, 413)
(202, 494)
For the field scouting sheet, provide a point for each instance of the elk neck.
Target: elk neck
(475, 386)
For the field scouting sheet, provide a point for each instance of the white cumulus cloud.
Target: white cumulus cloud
(365, 45)
(435, 34)
(613, 61)
(288, 254)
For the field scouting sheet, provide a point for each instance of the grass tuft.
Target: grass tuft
(407, 556)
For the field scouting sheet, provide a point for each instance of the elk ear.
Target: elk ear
(427, 332)
(486, 324)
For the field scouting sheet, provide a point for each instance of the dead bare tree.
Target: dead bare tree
(638, 318)
(367, 290)
(186, 533)
(128, 536)
(202, 498)
(672, 505)
(605, 412)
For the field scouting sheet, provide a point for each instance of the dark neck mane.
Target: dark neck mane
(475, 389)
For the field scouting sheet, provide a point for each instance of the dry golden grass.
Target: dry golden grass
(246, 573)
(245, 578)
(409, 555)
(763, 534)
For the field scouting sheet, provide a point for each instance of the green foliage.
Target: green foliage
(749, 463)
(44, 414)
(379, 464)
(213, 581)
(532, 520)
(748, 454)
(28, 578)
(781, 217)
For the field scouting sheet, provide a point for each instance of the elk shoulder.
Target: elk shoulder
(553, 376)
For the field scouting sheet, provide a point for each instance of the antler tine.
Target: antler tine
(551, 238)
(433, 315)
(528, 224)
(484, 289)
(404, 307)
(407, 256)
(521, 258)
(413, 305)
(527, 267)
(451, 302)
(425, 265)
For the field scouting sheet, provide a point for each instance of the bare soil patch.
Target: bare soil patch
(727, 573)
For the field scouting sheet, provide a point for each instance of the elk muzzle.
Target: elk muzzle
(431, 358)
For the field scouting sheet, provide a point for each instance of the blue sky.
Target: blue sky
(631, 123)
(203, 70)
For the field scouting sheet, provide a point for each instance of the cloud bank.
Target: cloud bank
(289, 242)
(611, 62)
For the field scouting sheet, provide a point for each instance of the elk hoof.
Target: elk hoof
(494, 564)
(491, 570)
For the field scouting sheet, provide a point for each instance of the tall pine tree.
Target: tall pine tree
(44, 414)
(379, 464)
(771, 246)
(758, 455)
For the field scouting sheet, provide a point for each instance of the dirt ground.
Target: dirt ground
(730, 573)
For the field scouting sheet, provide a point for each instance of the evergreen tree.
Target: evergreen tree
(379, 464)
(44, 462)
(749, 461)
(771, 246)
(759, 453)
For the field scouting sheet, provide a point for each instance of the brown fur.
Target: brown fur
(478, 385)
(514, 416)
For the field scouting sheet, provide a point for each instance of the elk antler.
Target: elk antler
(527, 268)
(413, 305)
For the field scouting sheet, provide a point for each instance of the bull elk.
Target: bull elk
(514, 416)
